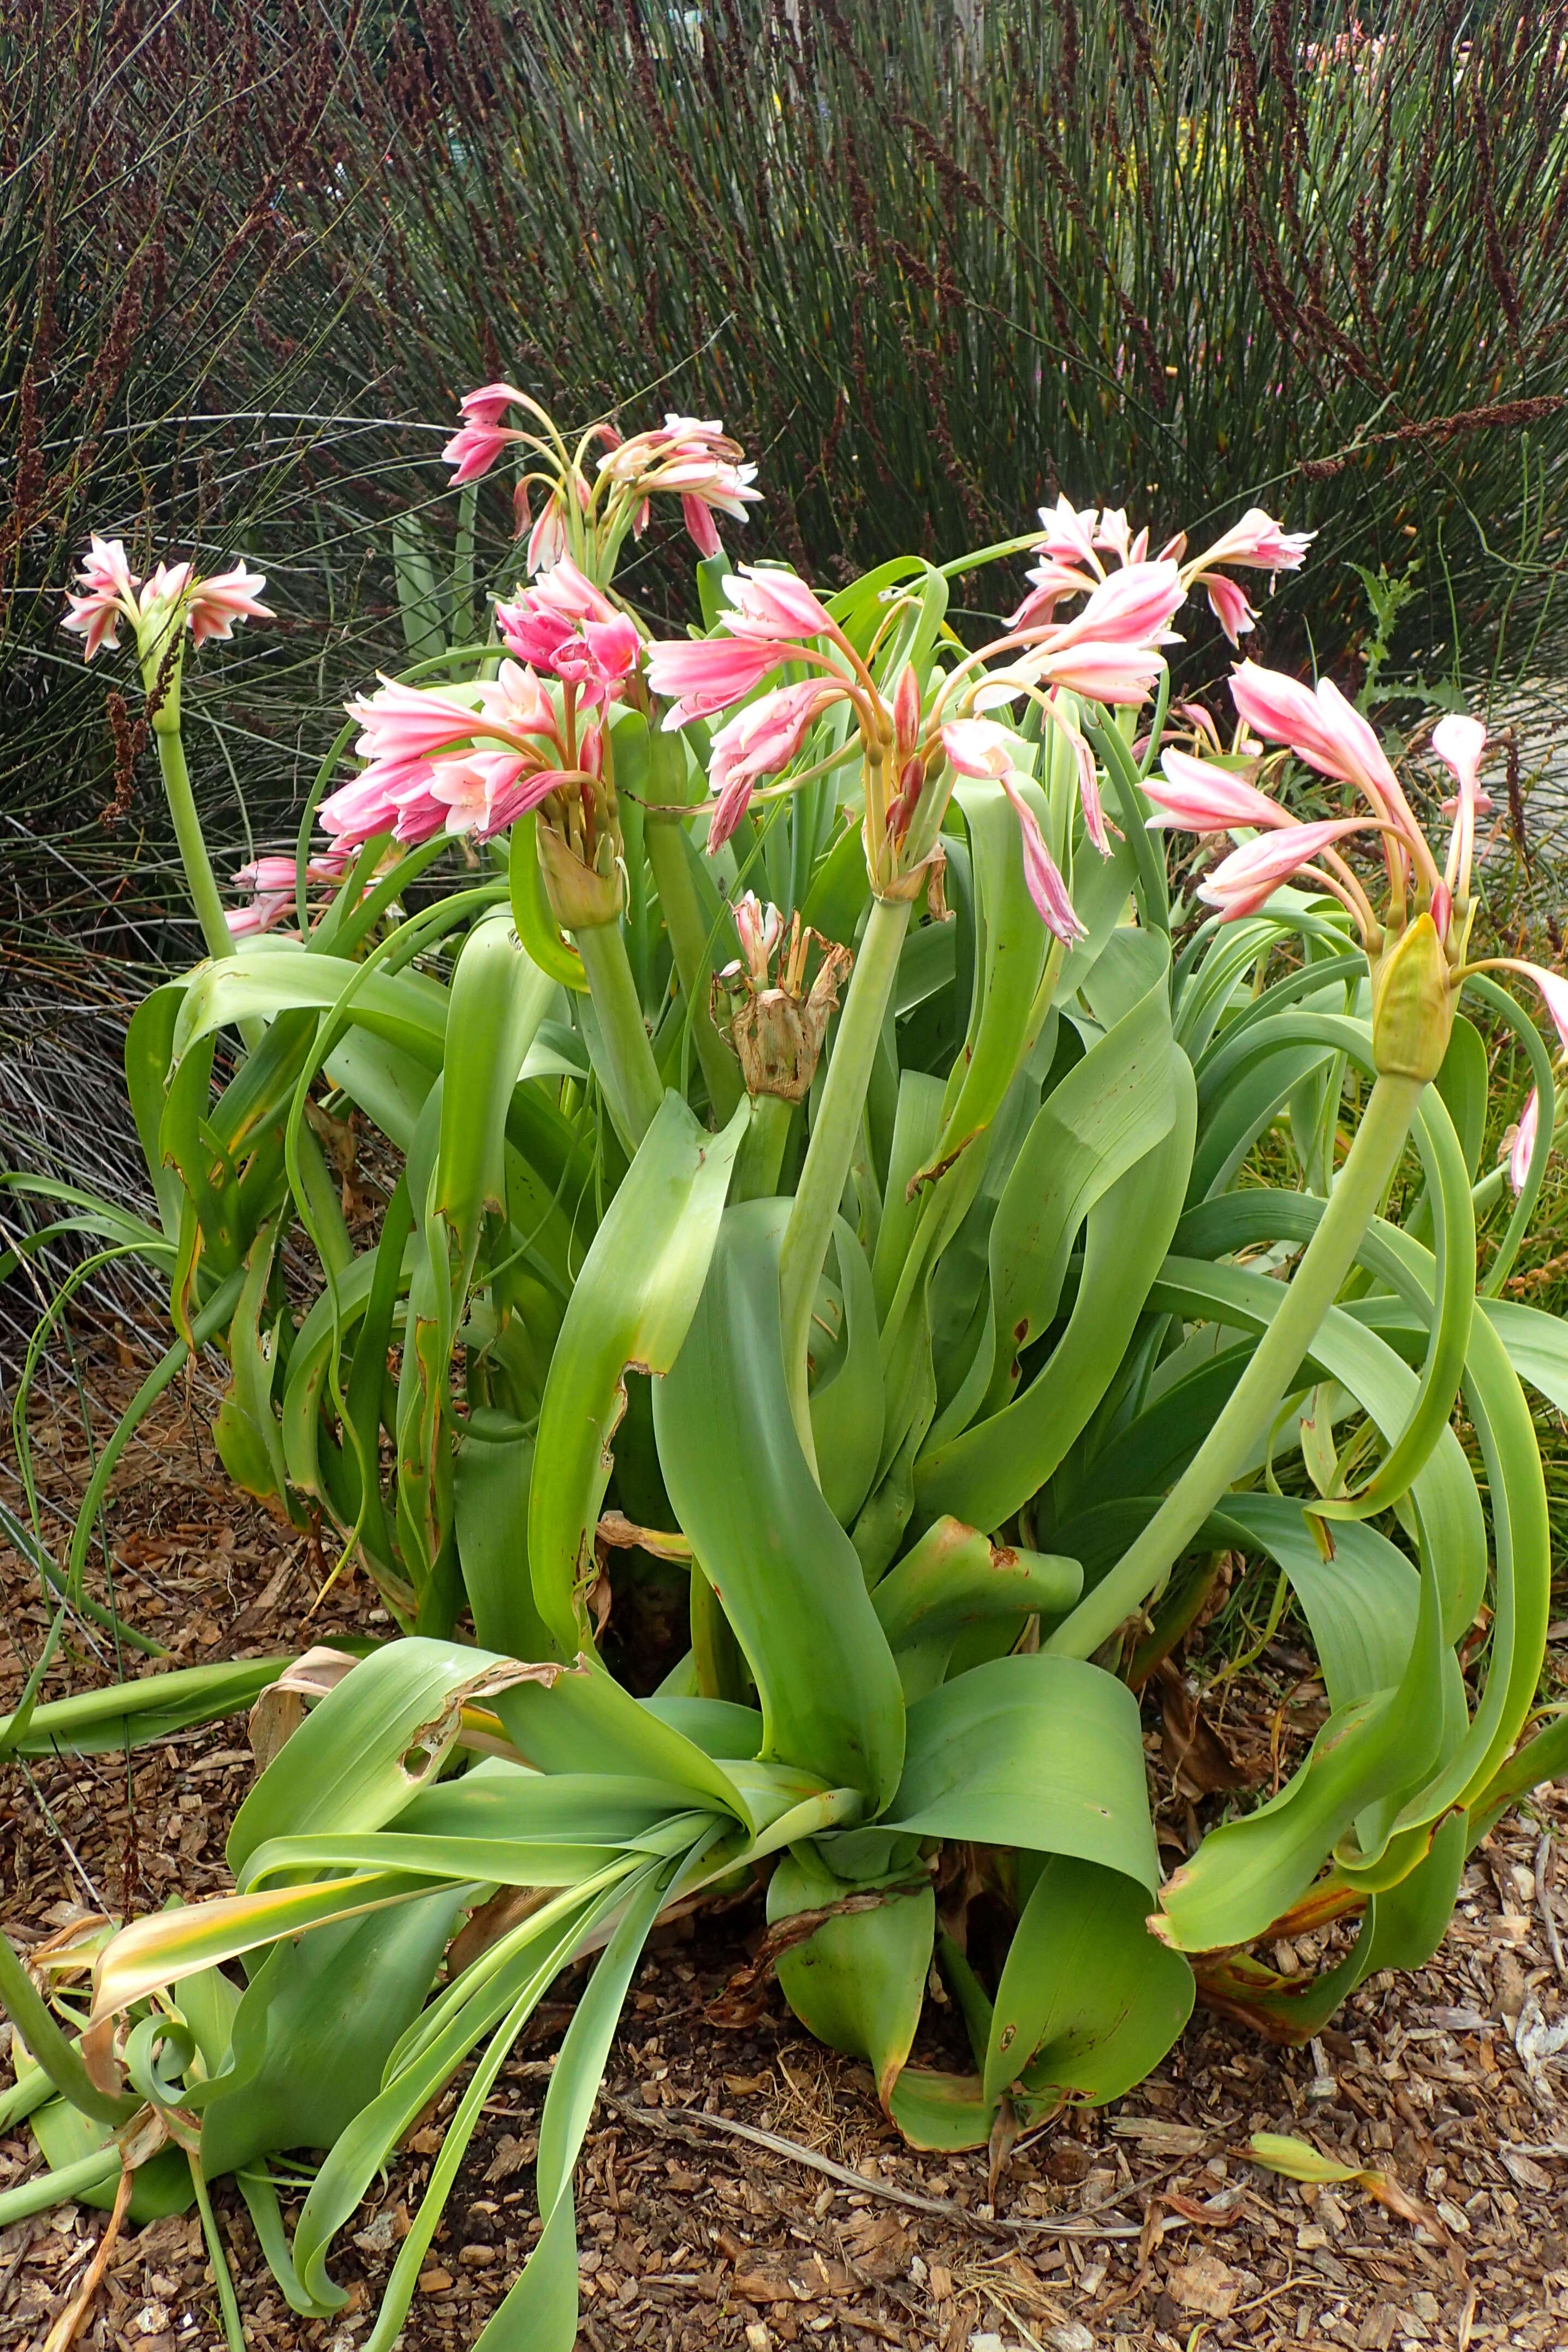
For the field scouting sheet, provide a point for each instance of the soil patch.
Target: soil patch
(741, 2186)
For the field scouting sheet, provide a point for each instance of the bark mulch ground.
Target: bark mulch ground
(741, 2186)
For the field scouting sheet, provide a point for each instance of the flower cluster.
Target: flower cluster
(1332, 737)
(567, 627)
(173, 598)
(463, 760)
(915, 740)
(1075, 541)
(689, 458)
(693, 459)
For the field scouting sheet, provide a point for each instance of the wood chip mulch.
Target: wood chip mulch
(741, 2186)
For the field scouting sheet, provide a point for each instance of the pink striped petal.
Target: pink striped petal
(1250, 876)
(1199, 796)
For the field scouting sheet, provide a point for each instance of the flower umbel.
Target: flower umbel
(586, 513)
(174, 598)
(915, 740)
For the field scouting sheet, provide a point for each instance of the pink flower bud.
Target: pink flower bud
(1523, 1147)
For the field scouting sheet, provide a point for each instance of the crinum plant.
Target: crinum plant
(944, 1339)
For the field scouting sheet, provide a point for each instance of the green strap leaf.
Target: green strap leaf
(1089, 2002)
(1036, 1752)
(859, 1983)
(788, 1576)
(988, 1472)
(633, 1302)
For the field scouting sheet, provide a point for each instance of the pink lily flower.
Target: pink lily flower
(214, 605)
(1133, 606)
(1053, 582)
(1069, 535)
(400, 724)
(772, 604)
(1320, 725)
(1326, 731)
(1523, 1150)
(1250, 876)
(547, 540)
(978, 747)
(490, 403)
(758, 741)
(1230, 607)
(1258, 540)
(1099, 672)
(1200, 797)
(473, 450)
(482, 437)
(708, 674)
(1458, 742)
(107, 596)
(484, 791)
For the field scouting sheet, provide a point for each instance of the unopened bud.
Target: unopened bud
(1412, 1004)
(581, 898)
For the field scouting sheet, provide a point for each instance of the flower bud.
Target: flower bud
(581, 898)
(1412, 1004)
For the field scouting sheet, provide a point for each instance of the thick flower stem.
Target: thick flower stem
(761, 1156)
(1224, 1455)
(833, 1139)
(634, 1073)
(199, 877)
(688, 944)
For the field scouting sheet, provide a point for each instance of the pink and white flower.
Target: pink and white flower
(693, 458)
(1198, 796)
(759, 742)
(1255, 542)
(1523, 1150)
(1258, 540)
(704, 674)
(1069, 535)
(773, 604)
(1248, 877)
(482, 437)
(978, 747)
(213, 605)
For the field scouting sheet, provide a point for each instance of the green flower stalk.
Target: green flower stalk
(160, 609)
(1416, 957)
